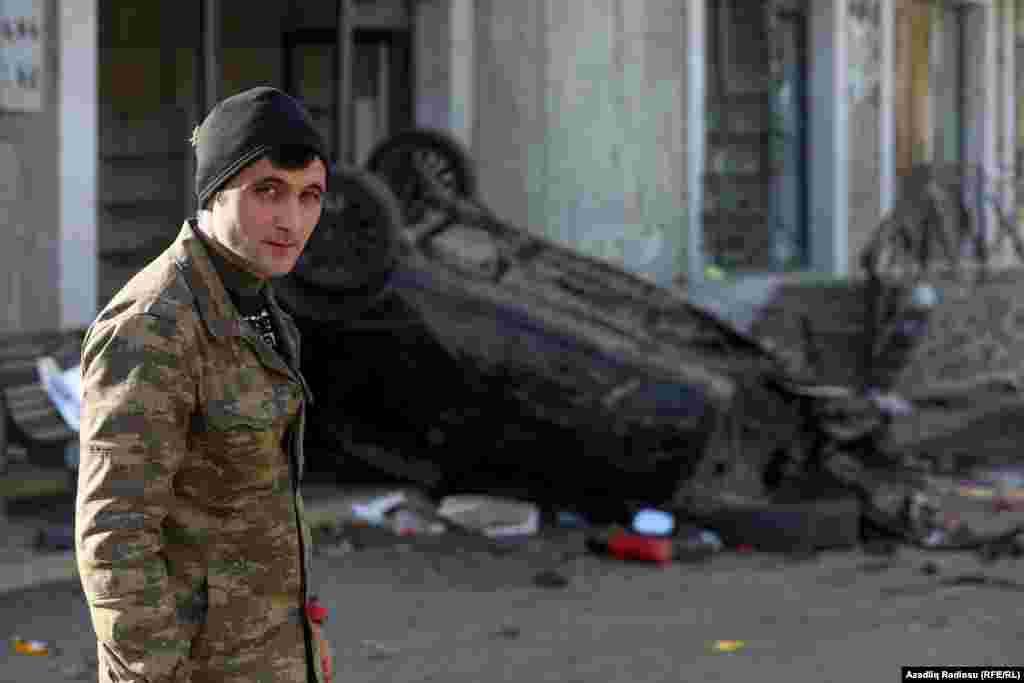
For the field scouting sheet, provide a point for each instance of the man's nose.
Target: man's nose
(289, 216)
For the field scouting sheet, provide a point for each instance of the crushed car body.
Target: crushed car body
(446, 346)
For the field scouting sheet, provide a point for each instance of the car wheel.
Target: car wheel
(351, 253)
(424, 167)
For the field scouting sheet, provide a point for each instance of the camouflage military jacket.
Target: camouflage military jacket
(191, 543)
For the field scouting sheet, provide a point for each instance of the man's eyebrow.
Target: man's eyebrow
(281, 181)
(269, 179)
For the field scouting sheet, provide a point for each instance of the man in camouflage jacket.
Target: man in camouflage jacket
(192, 547)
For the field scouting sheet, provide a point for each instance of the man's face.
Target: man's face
(265, 215)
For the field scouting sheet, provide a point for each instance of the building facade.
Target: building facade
(664, 135)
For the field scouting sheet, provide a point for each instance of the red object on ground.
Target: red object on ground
(744, 548)
(627, 546)
(1003, 504)
(316, 613)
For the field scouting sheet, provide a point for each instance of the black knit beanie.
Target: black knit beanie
(244, 127)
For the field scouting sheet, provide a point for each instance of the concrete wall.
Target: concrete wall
(29, 216)
(78, 157)
(580, 112)
(1007, 61)
(865, 56)
(512, 82)
(1019, 101)
(1019, 78)
(432, 60)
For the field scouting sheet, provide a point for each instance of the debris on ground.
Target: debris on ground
(684, 544)
(651, 522)
(375, 511)
(411, 522)
(1004, 487)
(727, 646)
(64, 387)
(549, 578)
(494, 517)
(625, 545)
(1005, 504)
(567, 519)
(694, 544)
(507, 632)
(35, 648)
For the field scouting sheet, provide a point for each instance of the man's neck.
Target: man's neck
(238, 275)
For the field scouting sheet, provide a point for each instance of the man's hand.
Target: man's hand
(326, 655)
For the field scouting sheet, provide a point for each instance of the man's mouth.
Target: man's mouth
(280, 244)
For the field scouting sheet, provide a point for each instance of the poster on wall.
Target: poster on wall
(21, 55)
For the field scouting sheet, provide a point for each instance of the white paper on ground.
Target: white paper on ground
(375, 510)
(64, 389)
(494, 517)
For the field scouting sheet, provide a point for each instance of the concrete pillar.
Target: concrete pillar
(1008, 105)
(78, 94)
(980, 102)
(14, 215)
(444, 38)
(462, 61)
(887, 121)
(616, 153)
(511, 120)
(829, 139)
(696, 29)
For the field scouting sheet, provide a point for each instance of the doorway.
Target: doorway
(381, 102)
(755, 196)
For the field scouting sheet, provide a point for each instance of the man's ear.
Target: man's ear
(215, 197)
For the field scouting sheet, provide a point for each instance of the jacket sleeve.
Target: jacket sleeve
(138, 395)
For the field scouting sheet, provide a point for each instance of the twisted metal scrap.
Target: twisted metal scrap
(936, 227)
(941, 210)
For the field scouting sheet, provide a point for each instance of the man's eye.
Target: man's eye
(266, 191)
(313, 197)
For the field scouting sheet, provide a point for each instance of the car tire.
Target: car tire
(451, 166)
(352, 253)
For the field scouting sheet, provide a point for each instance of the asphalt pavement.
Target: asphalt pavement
(452, 608)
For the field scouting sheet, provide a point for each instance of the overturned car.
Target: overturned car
(449, 348)
(449, 342)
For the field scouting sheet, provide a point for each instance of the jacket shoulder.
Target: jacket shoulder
(159, 289)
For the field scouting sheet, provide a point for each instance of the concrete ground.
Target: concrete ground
(451, 609)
